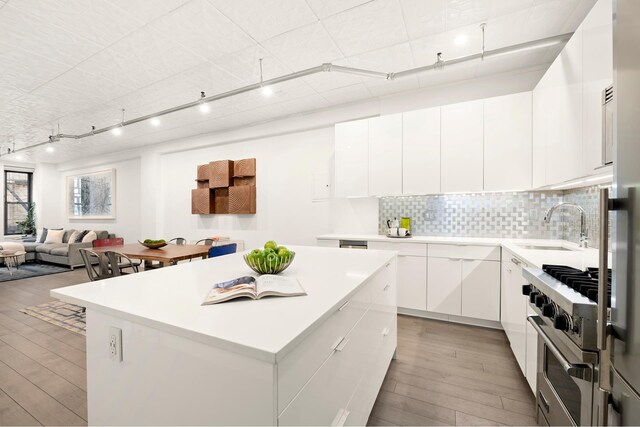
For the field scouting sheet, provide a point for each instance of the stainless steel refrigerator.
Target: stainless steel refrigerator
(618, 400)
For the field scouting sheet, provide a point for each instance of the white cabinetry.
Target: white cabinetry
(351, 161)
(385, 155)
(507, 142)
(513, 306)
(464, 281)
(412, 272)
(462, 147)
(597, 74)
(531, 369)
(421, 151)
(481, 289)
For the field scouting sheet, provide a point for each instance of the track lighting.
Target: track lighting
(155, 121)
(203, 107)
(19, 157)
(266, 91)
(118, 131)
(50, 149)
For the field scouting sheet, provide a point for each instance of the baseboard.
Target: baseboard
(450, 318)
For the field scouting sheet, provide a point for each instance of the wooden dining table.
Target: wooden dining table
(167, 255)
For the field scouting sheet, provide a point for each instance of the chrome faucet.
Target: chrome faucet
(584, 239)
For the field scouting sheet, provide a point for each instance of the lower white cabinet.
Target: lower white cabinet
(513, 307)
(481, 289)
(444, 289)
(412, 282)
(464, 280)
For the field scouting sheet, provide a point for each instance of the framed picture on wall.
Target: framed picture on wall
(92, 195)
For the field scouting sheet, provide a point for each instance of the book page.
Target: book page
(240, 287)
(270, 284)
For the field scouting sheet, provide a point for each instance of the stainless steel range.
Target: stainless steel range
(565, 300)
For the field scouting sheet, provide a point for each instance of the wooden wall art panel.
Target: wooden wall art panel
(225, 187)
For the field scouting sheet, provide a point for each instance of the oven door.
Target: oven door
(565, 385)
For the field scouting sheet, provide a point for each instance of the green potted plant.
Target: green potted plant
(28, 226)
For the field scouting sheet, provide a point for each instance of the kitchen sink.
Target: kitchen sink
(547, 248)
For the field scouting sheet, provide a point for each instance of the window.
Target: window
(17, 199)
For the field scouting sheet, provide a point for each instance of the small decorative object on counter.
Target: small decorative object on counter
(153, 244)
(273, 259)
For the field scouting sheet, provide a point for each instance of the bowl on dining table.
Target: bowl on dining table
(155, 245)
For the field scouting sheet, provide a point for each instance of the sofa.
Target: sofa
(64, 253)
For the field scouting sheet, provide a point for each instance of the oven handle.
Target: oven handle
(579, 371)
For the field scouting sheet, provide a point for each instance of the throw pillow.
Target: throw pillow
(81, 236)
(39, 234)
(67, 235)
(74, 236)
(54, 236)
(89, 237)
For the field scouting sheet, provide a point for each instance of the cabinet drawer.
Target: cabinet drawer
(295, 369)
(325, 397)
(403, 248)
(384, 285)
(488, 253)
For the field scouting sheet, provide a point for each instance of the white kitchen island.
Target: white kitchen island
(318, 359)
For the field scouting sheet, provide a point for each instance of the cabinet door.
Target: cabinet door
(385, 155)
(507, 142)
(531, 371)
(481, 289)
(564, 127)
(461, 147)
(412, 282)
(597, 69)
(444, 286)
(351, 162)
(421, 151)
(514, 307)
(539, 133)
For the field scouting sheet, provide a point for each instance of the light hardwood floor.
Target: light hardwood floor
(445, 374)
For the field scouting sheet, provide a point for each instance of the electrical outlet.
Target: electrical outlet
(115, 344)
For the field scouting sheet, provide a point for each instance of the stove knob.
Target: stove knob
(526, 289)
(540, 300)
(532, 296)
(548, 310)
(561, 322)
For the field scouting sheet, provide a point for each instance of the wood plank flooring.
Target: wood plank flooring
(445, 374)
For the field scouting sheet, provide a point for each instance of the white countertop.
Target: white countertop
(578, 258)
(169, 299)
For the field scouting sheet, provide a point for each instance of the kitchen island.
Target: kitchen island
(317, 359)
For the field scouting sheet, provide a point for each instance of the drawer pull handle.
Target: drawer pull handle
(388, 264)
(516, 261)
(342, 307)
(387, 286)
(385, 332)
(337, 343)
(342, 344)
(455, 259)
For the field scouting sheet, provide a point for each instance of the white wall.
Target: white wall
(155, 182)
(51, 197)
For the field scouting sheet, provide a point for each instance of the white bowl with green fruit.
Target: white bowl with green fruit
(272, 259)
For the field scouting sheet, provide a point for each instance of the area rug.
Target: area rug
(68, 316)
(30, 269)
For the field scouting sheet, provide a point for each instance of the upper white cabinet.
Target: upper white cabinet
(385, 155)
(351, 161)
(507, 142)
(597, 74)
(462, 147)
(421, 151)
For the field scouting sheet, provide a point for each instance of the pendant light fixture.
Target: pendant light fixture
(117, 131)
(203, 107)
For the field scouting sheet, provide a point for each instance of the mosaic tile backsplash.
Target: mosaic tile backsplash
(510, 215)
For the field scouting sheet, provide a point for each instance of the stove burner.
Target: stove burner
(584, 282)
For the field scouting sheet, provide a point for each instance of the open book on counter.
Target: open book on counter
(267, 285)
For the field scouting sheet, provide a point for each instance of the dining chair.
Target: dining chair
(206, 242)
(91, 260)
(116, 263)
(178, 241)
(216, 251)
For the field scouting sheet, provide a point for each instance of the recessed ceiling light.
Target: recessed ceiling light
(266, 91)
(460, 39)
(204, 108)
(19, 157)
(155, 121)
(50, 149)
(117, 131)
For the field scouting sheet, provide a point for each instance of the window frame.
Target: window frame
(7, 203)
